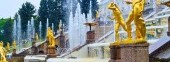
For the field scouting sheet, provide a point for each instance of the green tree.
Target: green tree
(2, 22)
(36, 23)
(85, 6)
(60, 12)
(43, 15)
(74, 6)
(65, 11)
(94, 8)
(7, 33)
(15, 16)
(26, 12)
(54, 11)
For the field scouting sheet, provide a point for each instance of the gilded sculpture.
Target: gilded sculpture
(2, 53)
(14, 45)
(50, 38)
(37, 38)
(97, 14)
(117, 16)
(2, 43)
(136, 16)
(8, 47)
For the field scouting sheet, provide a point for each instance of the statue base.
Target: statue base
(129, 53)
(128, 42)
(51, 52)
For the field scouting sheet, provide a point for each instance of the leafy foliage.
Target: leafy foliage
(6, 30)
(43, 15)
(26, 12)
(85, 6)
(94, 7)
(54, 11)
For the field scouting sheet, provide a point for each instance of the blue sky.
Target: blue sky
(8, 8)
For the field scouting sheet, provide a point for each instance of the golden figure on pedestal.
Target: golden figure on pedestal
(2, 43)
(119, 20)
(97, 14)
(36, 36)
(8, 47)
(50, 38)
(14, 45)
(2, 53)
(136, 16)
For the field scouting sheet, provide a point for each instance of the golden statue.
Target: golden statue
(119, 20)
(50, 38)
(14, 44)
(2, 43)
(136, 15)
(97, 14)
(37, 38)
(2, 53)
(8, 47)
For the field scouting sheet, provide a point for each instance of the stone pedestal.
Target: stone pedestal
(130, 53)
(90, 36)
(51, 52)
(115, 54)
